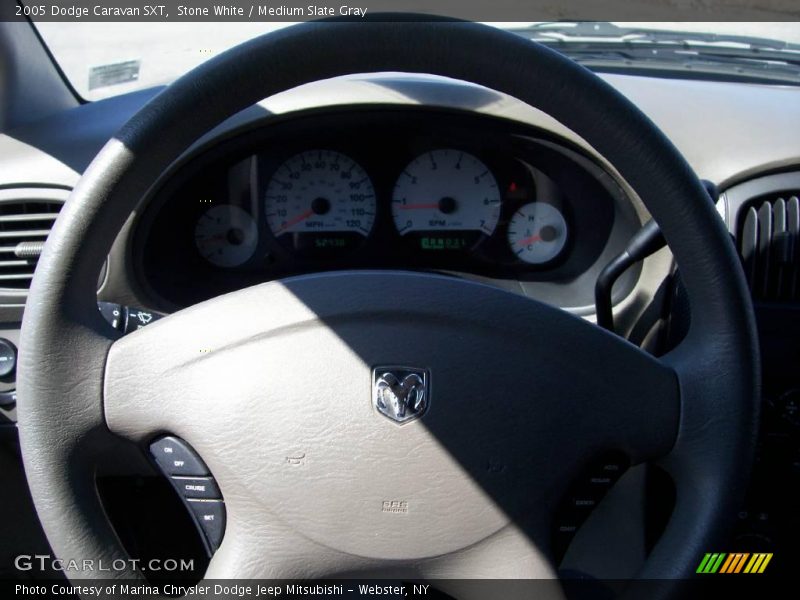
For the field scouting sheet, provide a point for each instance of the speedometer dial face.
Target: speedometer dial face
(226, 236)
(319, 201)
(446, 200)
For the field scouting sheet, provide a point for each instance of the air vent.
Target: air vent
(769, 243)
(24, 227)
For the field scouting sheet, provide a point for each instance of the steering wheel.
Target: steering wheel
(521, 394)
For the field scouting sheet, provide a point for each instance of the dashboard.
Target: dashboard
(383, 122)
(413, 188)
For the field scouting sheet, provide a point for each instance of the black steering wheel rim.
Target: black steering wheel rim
(61, 417)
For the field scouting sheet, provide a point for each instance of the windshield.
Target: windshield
(107, 59)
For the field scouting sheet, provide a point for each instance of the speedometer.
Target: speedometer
(320, 200)
(446, 200)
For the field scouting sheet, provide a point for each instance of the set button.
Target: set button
(210, 516)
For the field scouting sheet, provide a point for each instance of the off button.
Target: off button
(176, 458)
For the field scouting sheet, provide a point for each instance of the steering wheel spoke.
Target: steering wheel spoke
(267, 548)
(510, 553)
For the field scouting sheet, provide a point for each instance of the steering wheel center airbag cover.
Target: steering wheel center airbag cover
(272, 386)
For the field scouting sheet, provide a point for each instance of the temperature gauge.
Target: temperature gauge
(537, 233)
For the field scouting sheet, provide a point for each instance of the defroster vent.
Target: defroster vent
(769, 244)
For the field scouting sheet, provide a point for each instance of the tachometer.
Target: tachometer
(226, 236)
(537, 233)
(446, 200)
(320, 200)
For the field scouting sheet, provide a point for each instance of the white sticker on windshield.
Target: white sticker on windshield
(113, 74)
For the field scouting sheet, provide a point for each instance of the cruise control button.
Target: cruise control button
(8, 398)
(210, 515)
(197, 487)
(176, 458)
(8, 357)
(583, 502)
(601, 481)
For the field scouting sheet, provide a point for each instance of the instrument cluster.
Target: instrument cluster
(419, 189)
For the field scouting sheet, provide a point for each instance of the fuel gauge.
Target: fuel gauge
(226, 236)
(537, 233)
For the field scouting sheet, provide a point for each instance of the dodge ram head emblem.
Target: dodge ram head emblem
(400, 393)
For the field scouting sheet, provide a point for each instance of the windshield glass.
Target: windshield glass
(106, 59)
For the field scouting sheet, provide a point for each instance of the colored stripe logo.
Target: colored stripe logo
(735, 562)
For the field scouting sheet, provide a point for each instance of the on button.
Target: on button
(176, 458)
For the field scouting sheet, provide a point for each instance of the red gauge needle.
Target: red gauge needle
(531, 239)
(296, 220)
(419, 206)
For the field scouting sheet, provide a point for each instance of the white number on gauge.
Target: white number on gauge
(226, 236)
(443, 192)
(537, 233)
(320, 200)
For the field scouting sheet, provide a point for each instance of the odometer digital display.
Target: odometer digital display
(445, 243)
